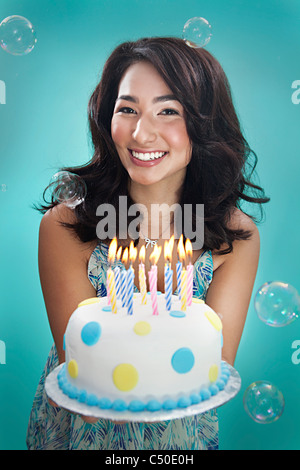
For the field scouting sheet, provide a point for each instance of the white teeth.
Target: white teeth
(148, 155)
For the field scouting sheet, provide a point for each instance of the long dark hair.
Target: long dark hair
(222, 165)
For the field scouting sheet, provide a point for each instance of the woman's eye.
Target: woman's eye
(169, 112)
(126, 110)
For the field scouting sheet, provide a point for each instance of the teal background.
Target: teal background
(44, 126)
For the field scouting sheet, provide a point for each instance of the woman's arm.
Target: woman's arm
(230, 291)
(63, 262)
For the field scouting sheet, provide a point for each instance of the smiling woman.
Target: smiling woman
(164, 131)
(151, 132)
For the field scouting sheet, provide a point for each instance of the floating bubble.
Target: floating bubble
(197, 32)
(17, 36)
(263, 402)
(277, 303)
(68, 188)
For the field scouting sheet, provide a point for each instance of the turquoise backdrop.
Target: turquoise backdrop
(44, 126)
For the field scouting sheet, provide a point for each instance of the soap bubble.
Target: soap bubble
(17, 36)
(197, 32)
(68, 188)
(263, 402)
(277, 303)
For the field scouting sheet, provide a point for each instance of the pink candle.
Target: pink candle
(189, 284)
(153, 291)
(190, 268)
(153, 278)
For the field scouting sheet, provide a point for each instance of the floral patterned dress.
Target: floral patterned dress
(53, 428)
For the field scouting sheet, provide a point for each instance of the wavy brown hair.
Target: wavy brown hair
(222, 165)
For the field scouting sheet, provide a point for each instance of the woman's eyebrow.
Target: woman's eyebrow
(165, 98)
(157, 99)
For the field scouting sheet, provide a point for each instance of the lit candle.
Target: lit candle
(189, 269)
(124, 278)
(130, 279)
(129, 295)
(183, 276)
(153, 278)
(142, 277)
(110, 276)
(117, 272)
(168, 275)
(180, 250)
(183, 289)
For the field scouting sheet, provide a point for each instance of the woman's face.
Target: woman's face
(148, 128)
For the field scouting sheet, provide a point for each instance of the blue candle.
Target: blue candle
(178, 273)
(117, 273)
(168, 286)
(129, 297)
(123, 287)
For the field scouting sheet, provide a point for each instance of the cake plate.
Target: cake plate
(55, 393)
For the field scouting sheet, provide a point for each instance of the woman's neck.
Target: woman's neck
(157, 203)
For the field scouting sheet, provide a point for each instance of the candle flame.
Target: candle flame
(155, 254)
(180, 249)
(168, 251)
(189, 249)
(112, 250)
(125, 256)
(119, 252)
(132, 252)
(142, 254)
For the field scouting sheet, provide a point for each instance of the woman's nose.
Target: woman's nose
(144, 131)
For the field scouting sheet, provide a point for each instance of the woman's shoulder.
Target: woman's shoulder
(240, 221)
(55, 233)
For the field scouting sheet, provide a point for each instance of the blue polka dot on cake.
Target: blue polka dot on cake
(91, 333)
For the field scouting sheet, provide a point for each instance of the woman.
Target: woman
(164, 131)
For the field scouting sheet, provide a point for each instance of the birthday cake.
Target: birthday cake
(142, 362)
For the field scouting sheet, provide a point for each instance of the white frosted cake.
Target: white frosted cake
(143, 362)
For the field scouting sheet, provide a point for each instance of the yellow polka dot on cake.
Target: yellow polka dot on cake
(213, 318)
(73, 368)
(92, 300)
(142, 328)
(125, 377)
(213, 373)
(197, 301)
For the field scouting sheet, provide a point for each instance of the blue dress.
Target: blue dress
(53, 428)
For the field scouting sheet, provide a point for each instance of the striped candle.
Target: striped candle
(117, 273)
(168, 286)
(183, 289)
(112, 290)
(178, 274)
(142, 280)
(129, 293)
(123, 287)
(189, 284)
(153, 290)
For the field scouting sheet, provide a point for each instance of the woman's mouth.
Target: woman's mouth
(146, 159)
(147, 156)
